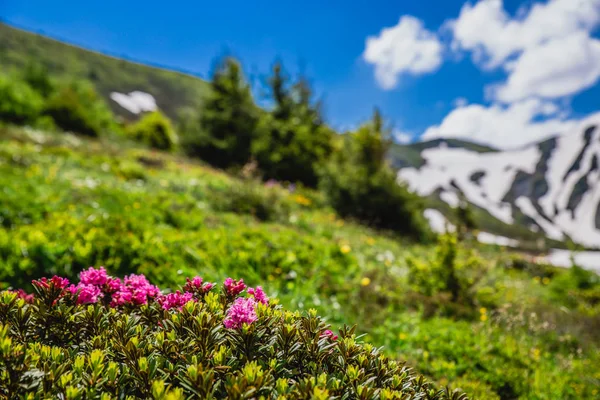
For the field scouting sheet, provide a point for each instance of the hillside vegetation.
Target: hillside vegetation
(316, 219)
(470, 317)
(174, 92)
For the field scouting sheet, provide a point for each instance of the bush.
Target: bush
(78, 108)
(266, 204)
(19, 103)
(359, 184)
(108, 339)
(155, 130)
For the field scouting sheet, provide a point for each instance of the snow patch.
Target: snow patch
(529, 210)
(589, 260)
(488, 238)
(135, 102)
(437, 221)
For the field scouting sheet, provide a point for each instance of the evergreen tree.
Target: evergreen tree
(293, 142)
(223, 136)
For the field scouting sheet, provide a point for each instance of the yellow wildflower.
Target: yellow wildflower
(402, 336)
(345, 249)
(483, 317)
(365, 281)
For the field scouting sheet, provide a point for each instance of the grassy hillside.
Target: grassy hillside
(172, 90)
(499, 327)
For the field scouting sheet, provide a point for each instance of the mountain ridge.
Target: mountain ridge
(551, 186)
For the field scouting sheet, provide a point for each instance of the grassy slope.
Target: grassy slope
(67, 204)
(173, 91)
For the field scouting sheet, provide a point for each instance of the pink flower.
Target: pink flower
(329, 334)
(93, 276)
(55, 281)
(241, 312)
(207, 287)
(28, 298)
(135, 290)
(176, 299)
(193, 284)
(121, 297)
(112, 285)
(234, 287)
(86, 294)
(259, 294)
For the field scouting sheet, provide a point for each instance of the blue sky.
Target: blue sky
(432, 71)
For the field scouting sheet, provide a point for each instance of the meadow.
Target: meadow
(466, 315)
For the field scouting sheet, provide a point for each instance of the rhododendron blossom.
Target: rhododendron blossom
(56, 281)
(259, 295)
(86, 294)
(234, 287)
(93, 276)
(241, 312)
(196, 285)
(174, 300)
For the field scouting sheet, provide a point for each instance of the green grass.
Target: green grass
(174, 91)
(528, 332)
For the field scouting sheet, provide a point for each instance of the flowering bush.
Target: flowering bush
(107, 339)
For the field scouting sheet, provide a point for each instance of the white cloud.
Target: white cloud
(493, 35)
(503, 126)
(406, 48)
(558, 68)
(403, 137)
(546, 50)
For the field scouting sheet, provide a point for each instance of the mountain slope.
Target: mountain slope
(550, 187)
(172, 91)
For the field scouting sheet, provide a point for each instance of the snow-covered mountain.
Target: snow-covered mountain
(551, 187)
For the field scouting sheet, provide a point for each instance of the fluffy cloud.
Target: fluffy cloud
(407, 48)
(503, 126)
(554, 69)
(494, 36)
(546, 50)
(402, 137)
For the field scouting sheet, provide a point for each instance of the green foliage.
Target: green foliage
(173, 91)
(155, 130)
(250, 198)
(359, 184)
(91, 351)
(292, 141)
(76, 107)
(223, 136)
(69, 202)
(19, 103)
(465, 219)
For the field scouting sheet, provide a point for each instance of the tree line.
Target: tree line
(289, 141)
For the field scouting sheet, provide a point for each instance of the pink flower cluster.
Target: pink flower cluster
(233, 287)
(196, 285)
(21, 294)
(259, 295)
(135, 290)
(56, 281)
(95, 285)
(174, 300)
(241, 312)
(86, 294)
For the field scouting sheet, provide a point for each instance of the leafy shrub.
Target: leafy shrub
(155, 130)
(19, 103)
(106, 338)
(266, 204)
(359, 184)
(444, 281)
(77, 107)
